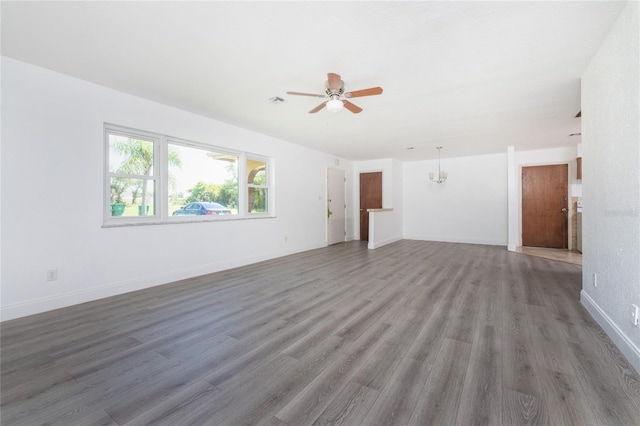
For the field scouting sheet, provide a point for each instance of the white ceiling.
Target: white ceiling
(473, 77)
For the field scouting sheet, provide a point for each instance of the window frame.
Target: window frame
(267, 185)
(204, 147)
(160, 178)
(154, 177)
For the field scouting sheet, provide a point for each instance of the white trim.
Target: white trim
(160, 179)
(377, 244)
(626, 346)
(512, 201)
(44, 304)
(501, 243)
(343, 173)
(357, 195)
(268, 186)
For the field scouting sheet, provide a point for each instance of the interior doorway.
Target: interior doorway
(545, 206)
(370, 198)
(336, 205)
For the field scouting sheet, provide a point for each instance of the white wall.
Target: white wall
(384, 165)
(470, 207)
(611, 176)
(386, 227)
(382, 229)
(513, 203)
(389, 187)
(52, 177)
(397, 197)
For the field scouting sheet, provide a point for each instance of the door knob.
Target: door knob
(564, 209)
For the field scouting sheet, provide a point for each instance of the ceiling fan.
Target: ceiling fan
(335, 92)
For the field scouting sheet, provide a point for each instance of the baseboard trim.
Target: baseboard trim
(630, 351)
(45, 304)
(377, 244)
(456, 240)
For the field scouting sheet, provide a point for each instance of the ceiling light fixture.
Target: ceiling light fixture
(442, 176)
(335, 104)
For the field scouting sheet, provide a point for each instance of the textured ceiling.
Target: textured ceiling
(473, 77)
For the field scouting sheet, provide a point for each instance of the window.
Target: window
(198, 174)
(153, 178)
(257, 186)
(132, 176)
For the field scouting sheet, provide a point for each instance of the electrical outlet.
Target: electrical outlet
(595, 279)
(52, 274)
(634, 315)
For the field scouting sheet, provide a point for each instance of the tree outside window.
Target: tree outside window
(257, 186)
(150, 178)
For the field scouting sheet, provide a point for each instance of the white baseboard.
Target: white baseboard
(626, 346)
(455, 240)
(378, 244)
(44, 304)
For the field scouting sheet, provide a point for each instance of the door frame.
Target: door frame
(569, 211)
(344, 173)
(357, 195)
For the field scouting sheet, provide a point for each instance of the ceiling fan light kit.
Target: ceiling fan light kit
(335, 91)
(334, 105)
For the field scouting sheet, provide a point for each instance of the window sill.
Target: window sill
(150, 222)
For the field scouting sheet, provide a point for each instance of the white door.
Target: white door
(336, 205)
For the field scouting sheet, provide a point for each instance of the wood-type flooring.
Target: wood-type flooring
(413, 333)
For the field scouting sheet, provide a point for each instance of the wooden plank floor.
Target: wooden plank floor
(413, 333)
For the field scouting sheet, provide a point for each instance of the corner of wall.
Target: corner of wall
(619, 338)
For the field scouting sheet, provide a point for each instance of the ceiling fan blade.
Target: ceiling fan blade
(305, 94)
(352, 107)
(334, 82)
(318, 108)
(364, 92)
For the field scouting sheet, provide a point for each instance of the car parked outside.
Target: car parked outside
(201, 208)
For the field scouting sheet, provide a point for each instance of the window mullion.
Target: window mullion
(242, 186)
(163, 177)
(131, 180)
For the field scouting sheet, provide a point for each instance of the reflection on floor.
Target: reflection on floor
(554, 254)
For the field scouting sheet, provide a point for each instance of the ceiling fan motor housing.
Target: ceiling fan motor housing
(338, 92)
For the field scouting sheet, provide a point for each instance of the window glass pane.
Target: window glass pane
(200, 175)
(258, 200)
(132, 197)
(256, 172)
(130, 156)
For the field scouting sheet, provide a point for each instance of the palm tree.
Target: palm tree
(138, 161)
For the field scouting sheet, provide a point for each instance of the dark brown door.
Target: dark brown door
(544, 206)
(370, 198)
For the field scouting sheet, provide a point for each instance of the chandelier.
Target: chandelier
(442, 176)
